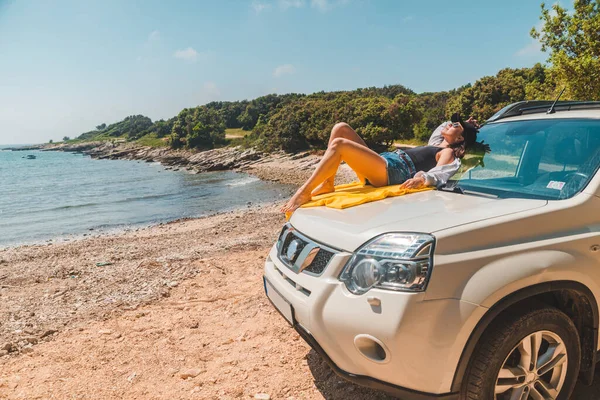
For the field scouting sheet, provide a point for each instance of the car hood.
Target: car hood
(426, 212)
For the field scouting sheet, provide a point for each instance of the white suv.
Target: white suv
(485, 289)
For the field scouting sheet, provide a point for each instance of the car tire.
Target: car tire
(502, 364)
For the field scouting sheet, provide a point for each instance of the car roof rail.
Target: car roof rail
(541, 106)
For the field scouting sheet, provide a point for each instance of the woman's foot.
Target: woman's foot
(323, 188)
(302, 196)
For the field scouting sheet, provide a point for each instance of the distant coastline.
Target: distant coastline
(20, 147)
(277, 166)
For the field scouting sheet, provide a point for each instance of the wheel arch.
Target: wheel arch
(573, 298)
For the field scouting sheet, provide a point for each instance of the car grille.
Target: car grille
(301, 254)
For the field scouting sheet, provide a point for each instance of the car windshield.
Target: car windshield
(548, 159)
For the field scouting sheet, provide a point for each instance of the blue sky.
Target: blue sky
(67, 66)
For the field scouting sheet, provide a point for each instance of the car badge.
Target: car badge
(293, 250)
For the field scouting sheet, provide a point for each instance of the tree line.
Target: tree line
(293, 122)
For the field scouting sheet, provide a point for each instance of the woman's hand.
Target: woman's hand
(414, 183)
(473, 122)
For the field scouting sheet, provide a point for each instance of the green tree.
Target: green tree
(177, 138)
(573, 40)
(66, 138)
(50, 141)
(101, 127)
(490, 93)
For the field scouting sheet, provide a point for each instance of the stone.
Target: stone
(49, 332)
(131, 377)
(262, 396)
(9, 347)
(190, 373)
(31, 339)
(105, 332)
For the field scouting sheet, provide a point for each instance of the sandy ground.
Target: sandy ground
(179, 313)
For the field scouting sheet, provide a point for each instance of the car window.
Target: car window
(549, 159)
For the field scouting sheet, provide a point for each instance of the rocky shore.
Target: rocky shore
(277, 167)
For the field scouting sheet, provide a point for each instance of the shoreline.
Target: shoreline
(278, 167)
(121, 229)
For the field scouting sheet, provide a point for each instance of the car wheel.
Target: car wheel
(534, 354)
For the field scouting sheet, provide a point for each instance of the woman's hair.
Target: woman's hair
(469, 133)
(460, 149)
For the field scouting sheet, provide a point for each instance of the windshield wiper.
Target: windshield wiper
(454, 188)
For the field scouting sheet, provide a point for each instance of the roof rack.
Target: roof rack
(541, 106)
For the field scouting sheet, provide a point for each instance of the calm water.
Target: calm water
(61, 194)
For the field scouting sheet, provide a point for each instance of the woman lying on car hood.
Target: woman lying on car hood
(429, 165)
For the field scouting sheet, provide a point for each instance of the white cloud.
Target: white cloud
(188, 54)
(285, 4)
(322, 5)
(259, 7)
(533, 48)
(408, 18)
(154, 36)
(326, 5)
(212, 90)
(286, 69)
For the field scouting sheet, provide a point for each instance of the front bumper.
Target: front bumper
(367, 381)
(421, 340)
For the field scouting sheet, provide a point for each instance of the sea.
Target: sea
(59, 196)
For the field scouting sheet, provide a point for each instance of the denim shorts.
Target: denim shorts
(400, 167)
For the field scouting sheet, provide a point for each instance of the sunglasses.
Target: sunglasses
(455, 124)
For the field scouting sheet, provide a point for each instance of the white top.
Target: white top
(436, 137)
(439, 175)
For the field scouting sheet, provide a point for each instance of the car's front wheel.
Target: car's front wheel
(534, 354)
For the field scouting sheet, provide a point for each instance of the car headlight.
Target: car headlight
(394, 261)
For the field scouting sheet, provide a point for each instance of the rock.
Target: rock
(27, 350)
(9, 347)
(3, 353)
(103, 264)
(262, 396)
(190, 373)
(173, 284)
(48, 333)
(105, 332)
(31, 339)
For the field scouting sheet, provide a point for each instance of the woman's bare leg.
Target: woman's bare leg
(340, 130)
(364, 161)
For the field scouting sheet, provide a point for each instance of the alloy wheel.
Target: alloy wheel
(535, 369)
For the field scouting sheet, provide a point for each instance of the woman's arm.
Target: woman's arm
(447, 166)
(436, 137)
